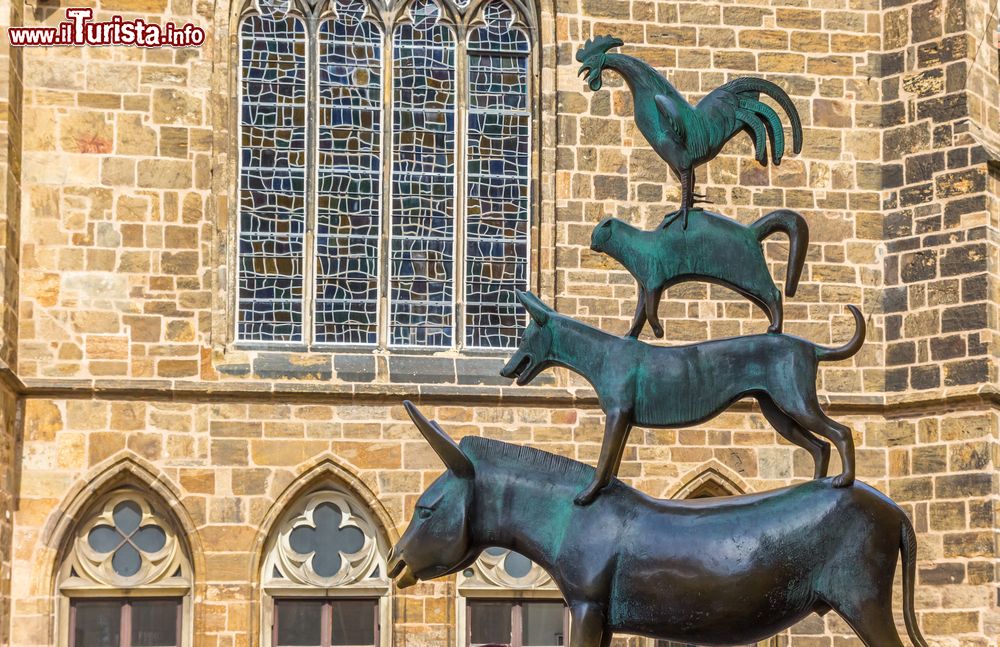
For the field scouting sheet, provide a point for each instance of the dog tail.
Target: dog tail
(851, 347)
(794, 226)
(908, 553)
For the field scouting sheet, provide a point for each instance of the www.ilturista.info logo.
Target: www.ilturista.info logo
(78, 30)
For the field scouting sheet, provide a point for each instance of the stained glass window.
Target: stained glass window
(348, 214)
(497, 180)
(272, 178)
(423, 181)
(376, 213)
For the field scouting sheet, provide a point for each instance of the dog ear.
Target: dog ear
(538, 310)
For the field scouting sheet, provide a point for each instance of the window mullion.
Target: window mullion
(327, 638)
(309, 250)
(516, 631)
(461, 183)
(386, 154)
(125, 625)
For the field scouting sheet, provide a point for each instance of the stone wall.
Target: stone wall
(229, 463)
(123, 286)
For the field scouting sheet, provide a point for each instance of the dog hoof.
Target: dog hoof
(586, 497)
(658, 332)
(843, 480)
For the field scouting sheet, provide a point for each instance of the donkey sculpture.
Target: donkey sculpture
(655, 386)
(712, 572)
(715, 249)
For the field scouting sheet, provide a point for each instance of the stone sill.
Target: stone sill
(381, 367)
(328, 392)
(393, 393)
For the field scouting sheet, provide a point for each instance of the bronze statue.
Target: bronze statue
(713, 572)
(685, 136)
(715, 249)
(655, 386)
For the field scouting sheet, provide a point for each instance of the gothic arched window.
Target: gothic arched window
(506, 599)
(323, 576)
(385, 172)
(125, 578)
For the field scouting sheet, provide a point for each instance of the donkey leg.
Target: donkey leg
(586, 626)
(818, 449)
(652, 305)
(640, 314)
(871, 619)
(616, 429)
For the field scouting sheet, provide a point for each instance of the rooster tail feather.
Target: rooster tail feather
(753, 84)
(774, 128)
(754, 123)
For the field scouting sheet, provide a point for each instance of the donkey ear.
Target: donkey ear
(538, 310)
(442, 444)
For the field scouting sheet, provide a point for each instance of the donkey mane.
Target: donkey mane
(519, 458)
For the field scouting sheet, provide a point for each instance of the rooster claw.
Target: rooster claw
(672, 216)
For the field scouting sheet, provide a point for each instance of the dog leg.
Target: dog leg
(812, 418)
(791, 431)
(652, 305)
(586, 625)
(616, 430)
(845, 445)
(640, 314)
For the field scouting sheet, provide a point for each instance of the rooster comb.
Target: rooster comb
(598, 45)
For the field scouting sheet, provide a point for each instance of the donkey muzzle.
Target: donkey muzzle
(398, 570)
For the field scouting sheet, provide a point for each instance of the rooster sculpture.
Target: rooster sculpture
(685, 136)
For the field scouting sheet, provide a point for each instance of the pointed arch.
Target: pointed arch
(324, 470)
(115, 472)
(710, 480)
(54, 553)
(280, 572)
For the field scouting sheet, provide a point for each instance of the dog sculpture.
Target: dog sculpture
(715, 249)
(711, 572)
(652, 386)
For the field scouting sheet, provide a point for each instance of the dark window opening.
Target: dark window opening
(325, 622)
(123, 622)
(525, 623)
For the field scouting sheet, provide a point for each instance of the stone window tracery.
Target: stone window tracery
(324, 560)
(325, 543)
(385, 172)
(125, 575)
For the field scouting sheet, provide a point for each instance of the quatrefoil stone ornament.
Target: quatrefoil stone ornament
(326, 543)
(327, 540)
(503, 568)
(126, 540)
(125, 543)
